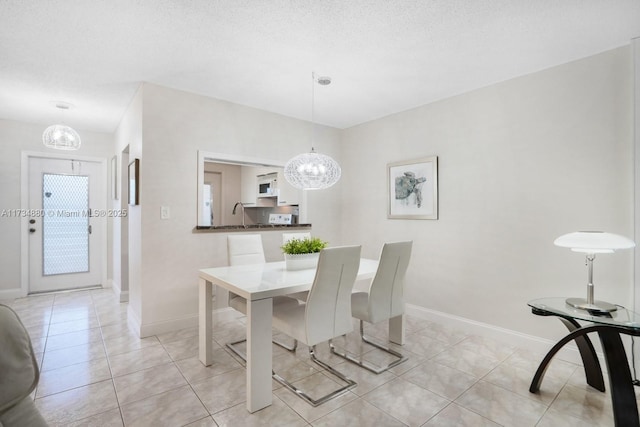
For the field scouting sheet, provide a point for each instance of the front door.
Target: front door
(66, 210)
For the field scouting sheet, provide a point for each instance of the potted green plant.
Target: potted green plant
(302, 253)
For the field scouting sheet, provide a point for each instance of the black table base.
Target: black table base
(625, 409)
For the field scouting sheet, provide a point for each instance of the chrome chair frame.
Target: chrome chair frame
(243, 356)
(254, 255)
(363, 363)
(325, 315)
(383, 301)
(302, 394)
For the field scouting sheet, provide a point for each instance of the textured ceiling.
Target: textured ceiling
(384, 56)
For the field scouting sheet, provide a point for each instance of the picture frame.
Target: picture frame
(412, 188)
(114, 177)
(134, 182)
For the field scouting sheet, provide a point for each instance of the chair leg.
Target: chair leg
(285, 346)
(365, 364)
(232, 346)
(315, 402)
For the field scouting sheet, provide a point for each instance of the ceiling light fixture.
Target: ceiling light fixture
(61, 137)
(313, 171)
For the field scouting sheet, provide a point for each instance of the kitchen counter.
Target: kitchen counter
(249, 227)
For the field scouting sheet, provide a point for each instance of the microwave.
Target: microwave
(267, 184)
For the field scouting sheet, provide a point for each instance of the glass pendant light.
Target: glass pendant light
(312, 171)
(60, 136)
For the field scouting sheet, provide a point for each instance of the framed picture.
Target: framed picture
(412, 187)
(114, 177)
(134, 182)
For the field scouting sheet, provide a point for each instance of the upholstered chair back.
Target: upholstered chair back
(245, 249)
(328, 307)
(386, 292)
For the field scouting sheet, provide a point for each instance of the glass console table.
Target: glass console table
(608, 326)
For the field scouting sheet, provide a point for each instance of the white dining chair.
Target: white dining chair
(383, 301)
(325, 315)
(245, 249)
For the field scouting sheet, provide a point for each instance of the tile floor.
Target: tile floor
(96, 372)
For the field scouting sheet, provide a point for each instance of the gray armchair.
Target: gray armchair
(19, 373)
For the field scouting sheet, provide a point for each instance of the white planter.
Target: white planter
(301, 261)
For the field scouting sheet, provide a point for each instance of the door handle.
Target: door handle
(32, 230)
(90, 229)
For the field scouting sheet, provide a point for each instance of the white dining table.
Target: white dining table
(258, 284)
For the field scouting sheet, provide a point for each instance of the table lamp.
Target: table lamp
(592, 243)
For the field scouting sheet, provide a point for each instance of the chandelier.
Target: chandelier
(312, 171)
(60, 136)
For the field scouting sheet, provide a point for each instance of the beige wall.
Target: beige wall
(127, 253)
(16, 137)
(521, 163)
(175, 126)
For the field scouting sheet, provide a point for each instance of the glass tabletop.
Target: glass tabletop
(622, 317)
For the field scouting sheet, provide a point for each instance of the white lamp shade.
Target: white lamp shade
(312, 171)
(61, 137)
(594, 242)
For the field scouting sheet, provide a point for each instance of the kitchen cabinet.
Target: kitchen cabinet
(287, 194)
(248, 186)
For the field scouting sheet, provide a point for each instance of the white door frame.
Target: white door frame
(24, 206)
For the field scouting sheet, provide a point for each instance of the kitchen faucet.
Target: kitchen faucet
(242, 208)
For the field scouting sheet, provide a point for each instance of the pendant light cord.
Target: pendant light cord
(634, 380)
(313, 103)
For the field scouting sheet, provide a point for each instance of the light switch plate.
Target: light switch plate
(165, 212)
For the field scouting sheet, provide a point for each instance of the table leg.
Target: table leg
(590, 362)
(625, 408)
(396, 330)
(537, 378)
(204, 319)
(259, 358)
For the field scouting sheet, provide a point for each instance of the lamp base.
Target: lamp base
(599, 306)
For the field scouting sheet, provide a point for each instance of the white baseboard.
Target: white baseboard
(157, 328)
(568, 353)
(11, 293)
(133, 321)
(509, 337)
(123, 296)
(162, 327)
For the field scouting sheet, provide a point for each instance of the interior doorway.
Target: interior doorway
(66, 222)
(123, 253)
